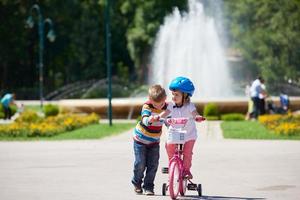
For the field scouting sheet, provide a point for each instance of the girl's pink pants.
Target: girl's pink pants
(187, 153)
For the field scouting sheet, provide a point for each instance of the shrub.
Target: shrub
(269, 119)
(33, 126)
(13, 109)
(233, 117)
(28, 116)
(212, 118)
(14, 129)
(281, 124)
(139, 118)
(51, 110)
(287, 128)
(211, 109)
(45, 129)
(1, 111)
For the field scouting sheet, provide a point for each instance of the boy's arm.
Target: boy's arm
(145, 113)
(147, 117)
(145, 120)
(152, 119)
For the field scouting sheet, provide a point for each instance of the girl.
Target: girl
(181, 107)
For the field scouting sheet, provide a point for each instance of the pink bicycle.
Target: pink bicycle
(177, 182)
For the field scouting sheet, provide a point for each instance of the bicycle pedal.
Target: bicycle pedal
(192, 186)
(165, 170)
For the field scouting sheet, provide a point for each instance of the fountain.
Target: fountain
(188, 45)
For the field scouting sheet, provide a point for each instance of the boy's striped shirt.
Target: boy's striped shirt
(145, 132)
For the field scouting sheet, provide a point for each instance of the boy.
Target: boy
(146, 139)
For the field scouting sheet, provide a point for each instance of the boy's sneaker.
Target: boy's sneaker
(187, 174)
(149, 192)
(138, 189)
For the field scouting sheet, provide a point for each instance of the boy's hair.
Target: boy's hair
(156, 93)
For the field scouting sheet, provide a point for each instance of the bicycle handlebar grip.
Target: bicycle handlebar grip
(200, 119)
(177, 120)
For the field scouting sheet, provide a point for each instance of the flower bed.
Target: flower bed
(30, 125)
(282, 124)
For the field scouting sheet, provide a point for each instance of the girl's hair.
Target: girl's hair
(156, 93)
(186, 98)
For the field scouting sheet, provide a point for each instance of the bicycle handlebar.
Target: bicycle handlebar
(181, 120)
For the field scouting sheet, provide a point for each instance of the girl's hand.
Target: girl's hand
(154, 118)
(199, 118)
(177, 120)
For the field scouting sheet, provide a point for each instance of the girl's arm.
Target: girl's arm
(161, 115)
(197, 117)
(195, 113)
(164, 114)
(152, 118)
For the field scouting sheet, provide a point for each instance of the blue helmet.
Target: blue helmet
(182, 84)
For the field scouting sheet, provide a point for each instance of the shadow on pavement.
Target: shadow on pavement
(191, 197)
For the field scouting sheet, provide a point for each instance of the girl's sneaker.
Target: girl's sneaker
(187, 174)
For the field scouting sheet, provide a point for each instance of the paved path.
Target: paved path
(102, 169)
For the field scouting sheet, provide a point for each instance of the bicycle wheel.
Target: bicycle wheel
(183, 185)
(174, 179)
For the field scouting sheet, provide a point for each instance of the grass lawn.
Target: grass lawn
(95, 131)
(251, 130)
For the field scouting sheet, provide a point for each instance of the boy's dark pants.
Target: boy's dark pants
(146, 159)
(256, 107)
(7, 112)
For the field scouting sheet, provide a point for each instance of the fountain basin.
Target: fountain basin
(130, 108)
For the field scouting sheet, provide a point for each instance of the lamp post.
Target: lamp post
(50, 36)
(108, 64)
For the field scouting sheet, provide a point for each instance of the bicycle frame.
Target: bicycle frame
(177, 182)
(178, 158)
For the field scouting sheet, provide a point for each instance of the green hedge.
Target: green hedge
(51, 110)
(233, 117)
(211, 111)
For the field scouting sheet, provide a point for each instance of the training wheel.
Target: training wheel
(164, 189)
(165, 170)
(199, 189)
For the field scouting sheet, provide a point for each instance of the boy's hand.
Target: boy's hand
(199, 118)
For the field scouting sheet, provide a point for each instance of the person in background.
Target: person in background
(8, 100)
(262, 99)
(256, 89)
(250, 102)
(284, 103)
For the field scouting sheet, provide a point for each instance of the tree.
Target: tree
(147, 16)
(268, 34)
